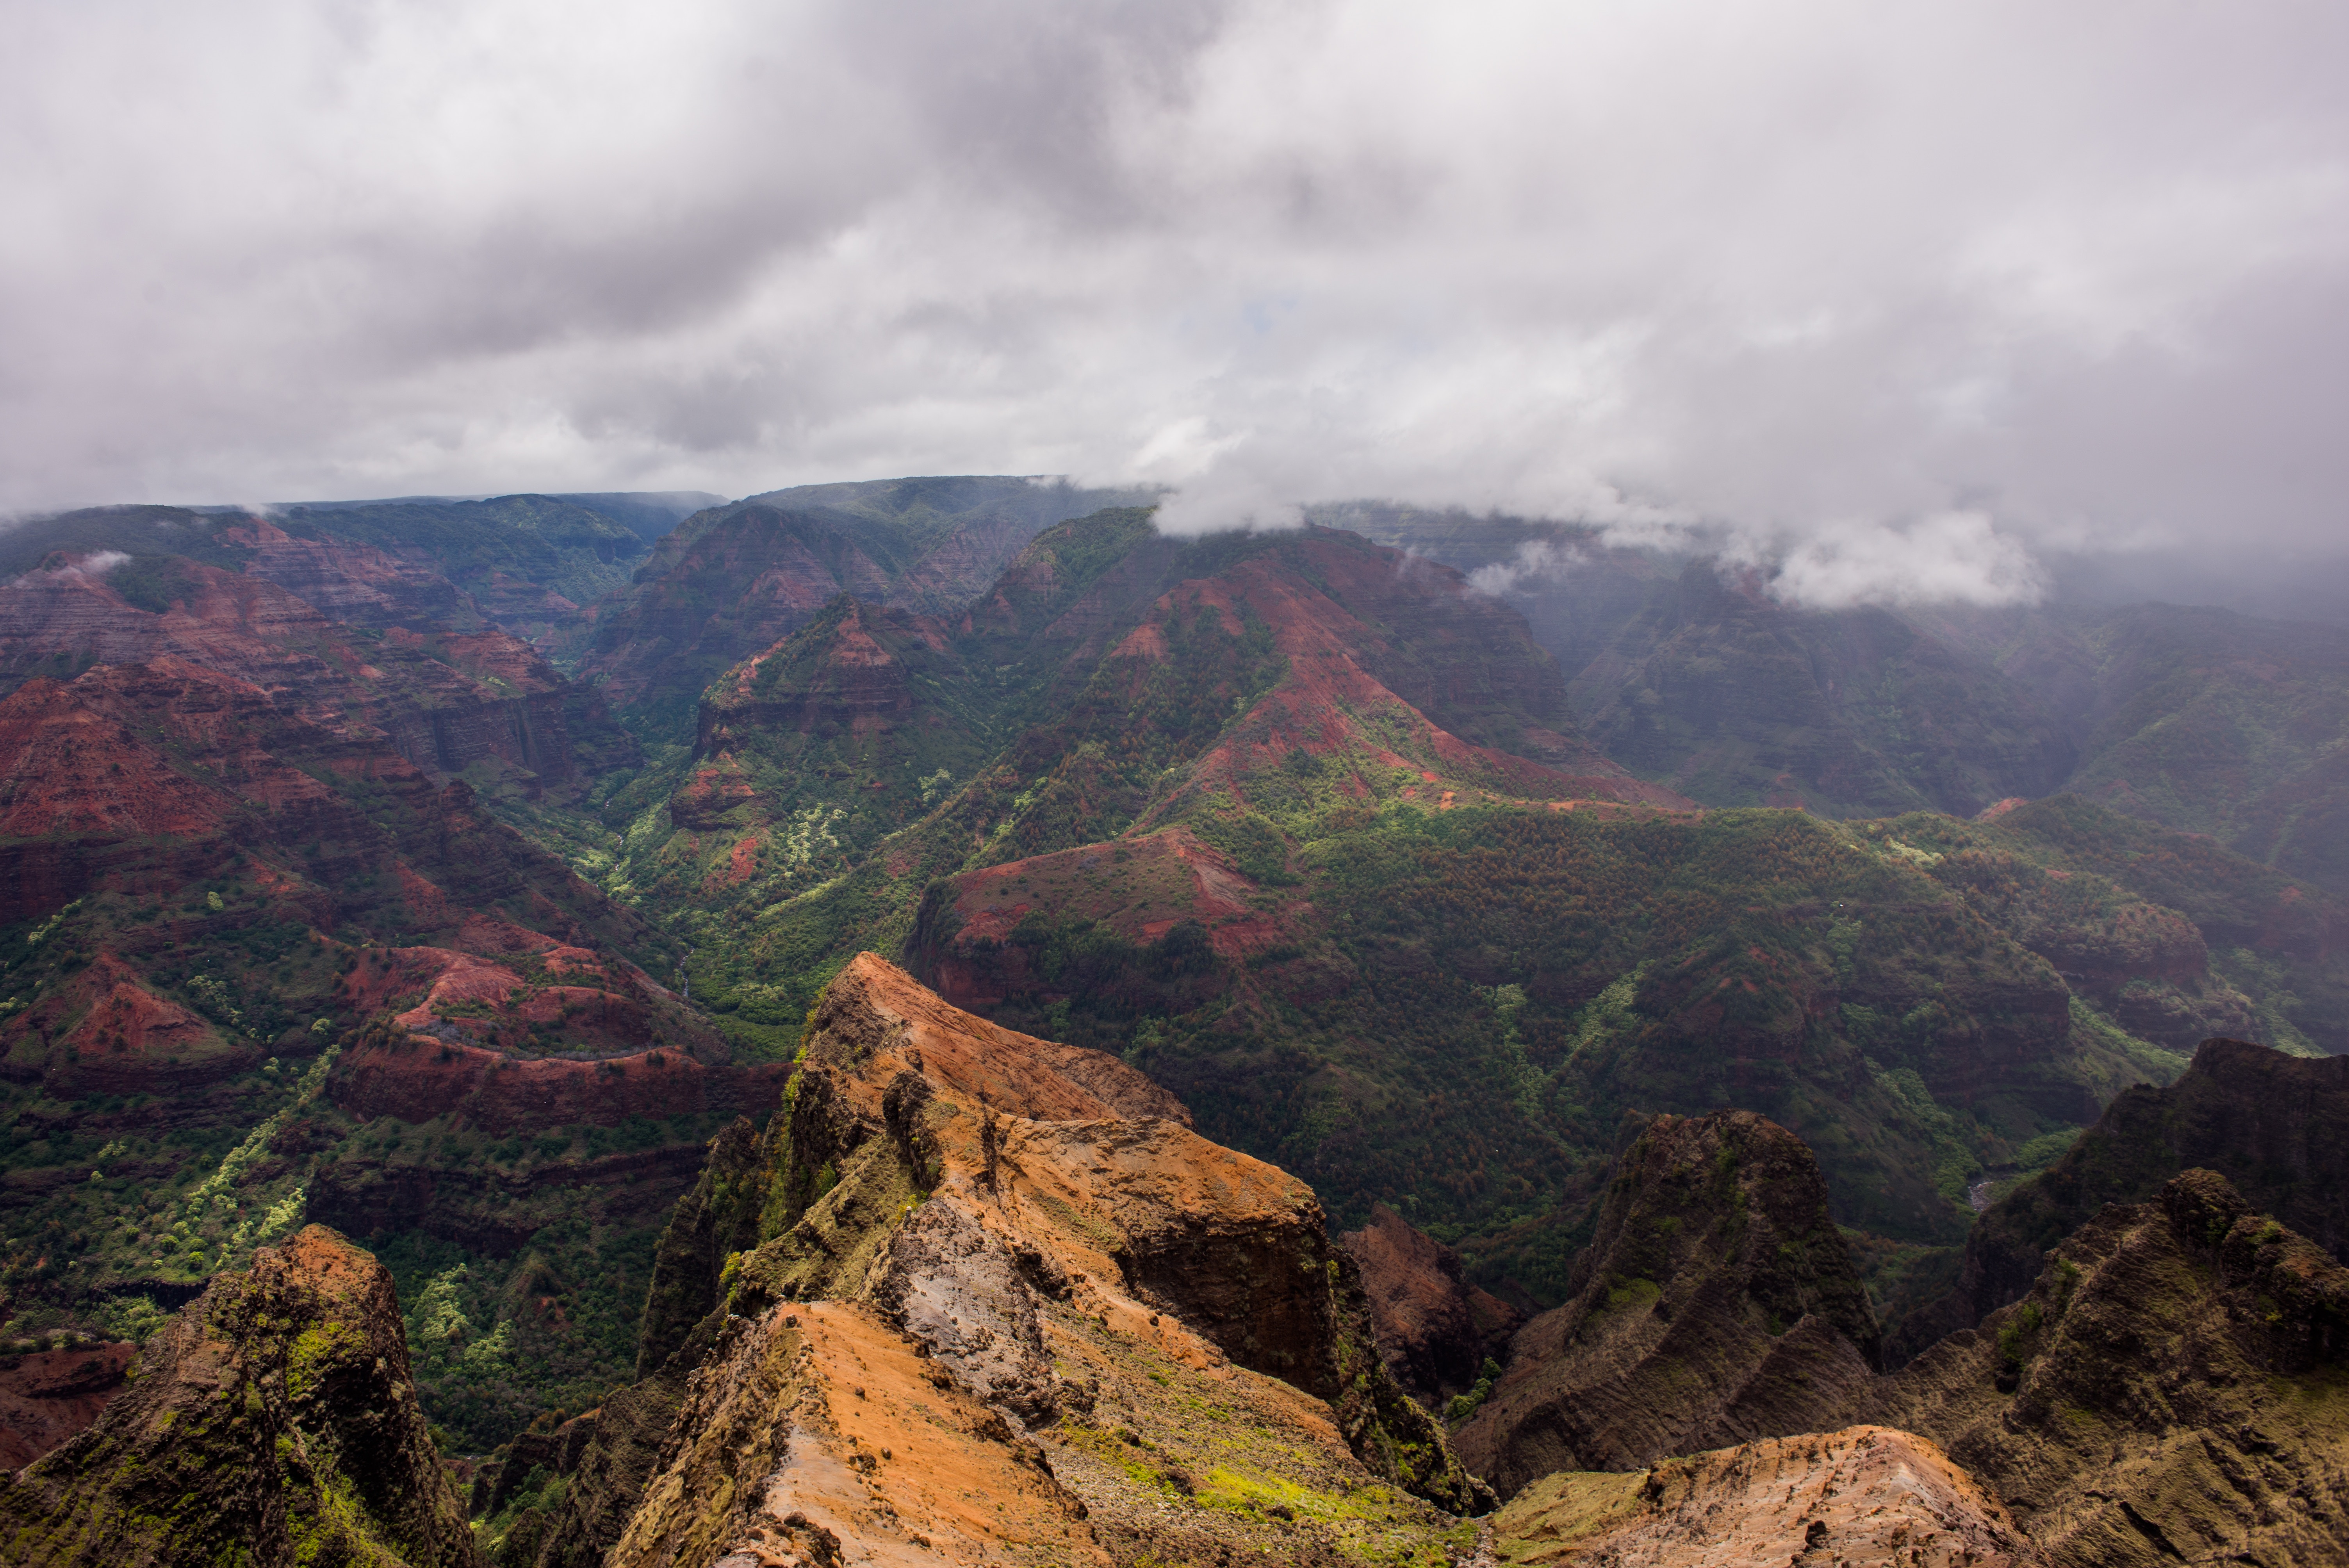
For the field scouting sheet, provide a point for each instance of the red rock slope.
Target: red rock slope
(444, 700)
(163, 812)
(1435, 1330)
(1320, 671)
(50, 1395)
(1368, 633)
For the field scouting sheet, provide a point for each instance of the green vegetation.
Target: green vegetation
(1463, 1405)
(152, 535)
(497, 1342)
(1462, 1003)
(1515, 982)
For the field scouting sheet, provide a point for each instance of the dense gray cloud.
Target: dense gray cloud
(1894, 299)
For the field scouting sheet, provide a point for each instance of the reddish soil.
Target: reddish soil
(1330, 687)
(127, 1039)
(352, 582)
(1435, 1329)
(531, 982)
(1139, 888)
(50, 1395)
(143, 779)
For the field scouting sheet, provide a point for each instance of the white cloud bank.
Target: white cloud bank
(1889, 295)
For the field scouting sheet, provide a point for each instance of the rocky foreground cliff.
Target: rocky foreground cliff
(975, 1297)
(2269, 1122)
(2170, 1390)
(980, 1297)
(1864, 1495)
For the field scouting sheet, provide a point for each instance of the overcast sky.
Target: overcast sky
(1902, 296)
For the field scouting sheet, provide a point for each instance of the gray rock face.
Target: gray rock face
(957, 1292)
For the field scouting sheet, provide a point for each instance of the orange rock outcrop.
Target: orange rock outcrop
(1005, 1272)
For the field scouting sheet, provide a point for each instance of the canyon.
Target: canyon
(795, 1016)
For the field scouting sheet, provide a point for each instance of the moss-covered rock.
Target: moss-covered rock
(273, 1422)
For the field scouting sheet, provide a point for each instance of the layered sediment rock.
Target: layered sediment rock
(854, 667)
(417, 1077)
(481, 1207)
(356, 584)
(274, 1421)
(444, 699)
(141, 781)
(2165, 1391)
(980, 1263)
(47, 1395)
(1717, 1303)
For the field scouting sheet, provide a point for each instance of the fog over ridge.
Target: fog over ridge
(1896, 304)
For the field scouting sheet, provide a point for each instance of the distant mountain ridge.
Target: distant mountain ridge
(732, 580)
(525, 564)
(1689, 673)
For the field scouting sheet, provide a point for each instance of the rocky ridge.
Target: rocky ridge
(1863, 1495)
(736, 579)
(2199, 718)
(1717, 1303)
(848, 729)
(2266, 1121)
(273, 1422)
(1434, 1330)
(261, 963)
(1295, 822)
(984, 1263)
(134, 783)
(447, 699)
(532, 566)
(1317, 666)
(2169, 1390)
